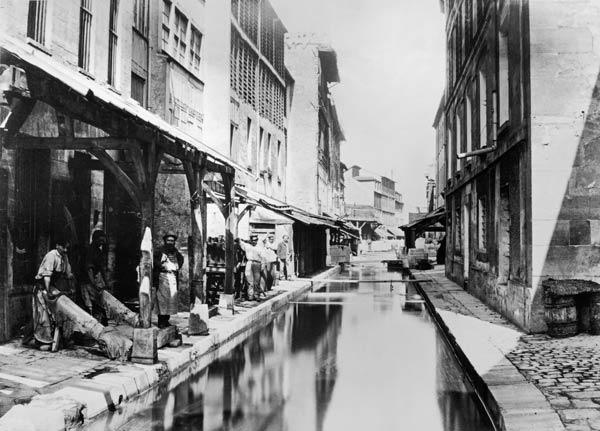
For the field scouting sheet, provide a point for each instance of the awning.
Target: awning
(284, 209)
(94, 91)
(434, 221)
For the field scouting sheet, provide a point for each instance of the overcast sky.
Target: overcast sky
(391, 61)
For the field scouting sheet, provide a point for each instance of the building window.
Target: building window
(249, 141)
(195, 45)
(449, 154)
(482, 222)
(279, 161)
(138, 89)
(112, 41)
(458, 137)
(85, 34)
(482, 90)
(268, 163)
(260, 157)
(140, 16)
(503, 87)
(36, 20)
(457, 225)
(166, 30)
(179, 36)
(469, 124)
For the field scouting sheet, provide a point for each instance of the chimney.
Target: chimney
(355, 171)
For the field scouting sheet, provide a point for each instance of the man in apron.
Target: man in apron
(167, 263)
(54, 278)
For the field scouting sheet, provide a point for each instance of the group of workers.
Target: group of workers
(256, 272)
(259, 265)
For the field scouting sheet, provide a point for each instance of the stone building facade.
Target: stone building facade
(521, 107)
(372, 201)
(315, 134)
(246, 103)
(315, 178)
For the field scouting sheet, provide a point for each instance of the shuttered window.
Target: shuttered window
(36, 20)
(112, 41)
(85, 34)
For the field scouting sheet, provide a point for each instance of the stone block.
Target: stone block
(561, 234)
(145, 350)
(225, 304)
(579, 232)
(198, 321)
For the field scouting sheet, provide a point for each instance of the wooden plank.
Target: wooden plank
(113, 167)
(145, 277)
(140, 167)
(20, 109)
(195, 173)
(27, 142)
(214, 198)
(230, 232)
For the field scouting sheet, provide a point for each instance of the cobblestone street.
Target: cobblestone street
(566, 371)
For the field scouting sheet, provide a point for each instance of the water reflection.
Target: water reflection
(357, 363)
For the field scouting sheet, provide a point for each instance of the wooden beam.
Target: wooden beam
(27, 142)
(138, 156)
(113, 167)
(20, 109)
(214, 198)
(95, 112)
(244, 212)
(230, 232)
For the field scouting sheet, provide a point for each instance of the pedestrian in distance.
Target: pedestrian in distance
(283, 256)
(270, 261)
(167, 263)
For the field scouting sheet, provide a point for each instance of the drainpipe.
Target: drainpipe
(486, 150)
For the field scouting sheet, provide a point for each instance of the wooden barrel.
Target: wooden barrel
(561, 316)
(595, 313)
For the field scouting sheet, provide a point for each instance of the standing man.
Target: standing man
(53, 278)
(167, 263)
(253, 266)
(283, 256)
(95, 267)
(270, 261)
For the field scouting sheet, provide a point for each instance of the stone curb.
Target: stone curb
(513, 403)
(79, 400)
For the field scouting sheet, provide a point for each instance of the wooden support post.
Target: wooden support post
(230, 236)
(145, 279)
(198, 321)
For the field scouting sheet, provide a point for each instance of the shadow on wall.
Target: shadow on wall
(569, 242)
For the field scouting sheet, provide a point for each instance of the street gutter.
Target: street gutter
(511, 402)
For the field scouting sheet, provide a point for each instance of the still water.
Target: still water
(347, 357)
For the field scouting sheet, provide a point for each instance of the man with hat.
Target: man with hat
(167, 263)
(253, 266)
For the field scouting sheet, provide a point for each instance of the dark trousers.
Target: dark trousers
(282, 266)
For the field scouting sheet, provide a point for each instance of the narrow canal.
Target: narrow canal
(349, 356)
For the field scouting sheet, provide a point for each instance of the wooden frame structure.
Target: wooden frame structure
(144, 138)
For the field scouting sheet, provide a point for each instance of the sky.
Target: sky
(391, 59)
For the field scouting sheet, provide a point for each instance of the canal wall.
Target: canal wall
(481, 340)
(129, 387)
